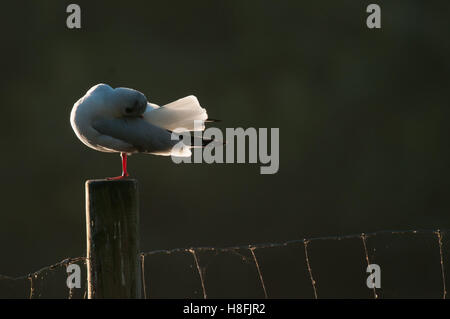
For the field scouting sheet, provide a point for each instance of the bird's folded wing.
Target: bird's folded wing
(145, 136)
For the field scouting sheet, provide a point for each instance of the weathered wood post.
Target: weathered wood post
(112, 225)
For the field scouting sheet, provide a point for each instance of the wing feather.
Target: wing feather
(144, 136)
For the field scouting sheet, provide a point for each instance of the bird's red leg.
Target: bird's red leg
(124, 164)
(124, 168)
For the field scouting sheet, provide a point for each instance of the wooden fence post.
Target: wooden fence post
(112, 226)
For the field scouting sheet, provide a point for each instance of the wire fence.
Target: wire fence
(252, 249)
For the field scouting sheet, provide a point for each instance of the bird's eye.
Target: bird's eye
(128, 110)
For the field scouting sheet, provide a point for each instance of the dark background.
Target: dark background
(363, 117)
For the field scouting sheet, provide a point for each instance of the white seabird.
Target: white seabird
(121, 120)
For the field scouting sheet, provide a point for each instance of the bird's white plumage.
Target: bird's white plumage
(122, 120)
(178, 116)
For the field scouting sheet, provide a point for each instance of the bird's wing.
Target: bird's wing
(151, 106)
(144, 136)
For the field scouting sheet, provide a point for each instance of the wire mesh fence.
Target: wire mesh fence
(412, 264)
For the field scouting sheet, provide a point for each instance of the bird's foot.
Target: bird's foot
(118, 177)
(125, 174)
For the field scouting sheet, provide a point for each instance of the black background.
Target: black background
(363, 117)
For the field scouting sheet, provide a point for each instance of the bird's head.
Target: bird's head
(127, 102)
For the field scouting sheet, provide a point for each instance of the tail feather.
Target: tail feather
(200, 142)
(212, 120)
(179, 116)
(197, 141)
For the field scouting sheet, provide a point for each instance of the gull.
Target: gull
(121, 120)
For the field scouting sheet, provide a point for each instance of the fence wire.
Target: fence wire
(252, 248)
